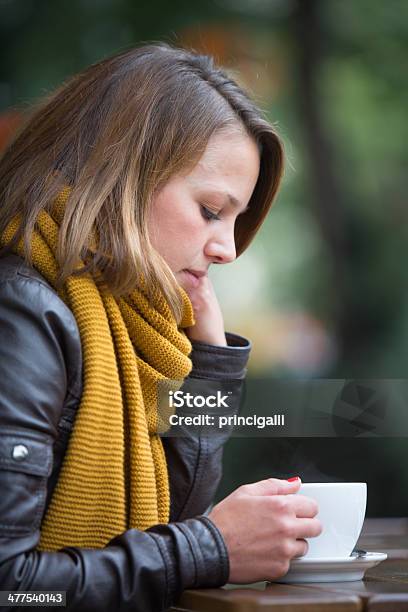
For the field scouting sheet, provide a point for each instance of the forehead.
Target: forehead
(229, 158)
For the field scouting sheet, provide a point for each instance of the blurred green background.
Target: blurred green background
(322, 291)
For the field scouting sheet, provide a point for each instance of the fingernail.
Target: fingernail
(293, 478)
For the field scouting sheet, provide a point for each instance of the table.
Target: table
(384, 588)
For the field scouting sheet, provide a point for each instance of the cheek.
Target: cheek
(185, 247)
(178, 240)
(178, 235)
(184, 239)
(177, 229)
(163, 227)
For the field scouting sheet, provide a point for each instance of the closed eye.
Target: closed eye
(208, 214)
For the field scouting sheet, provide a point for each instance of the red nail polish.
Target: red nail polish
(293, 479)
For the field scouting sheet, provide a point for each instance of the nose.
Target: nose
(221, 249)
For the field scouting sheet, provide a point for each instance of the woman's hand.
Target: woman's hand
(264, 525)
(209, 325)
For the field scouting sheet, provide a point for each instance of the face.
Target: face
(191, 220)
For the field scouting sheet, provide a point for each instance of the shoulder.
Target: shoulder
(13, 267)
(15, 270)
(33, 316)
(21, 281)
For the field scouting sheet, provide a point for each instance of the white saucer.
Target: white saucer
(344, 569)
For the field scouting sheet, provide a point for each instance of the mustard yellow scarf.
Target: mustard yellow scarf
(114, 474)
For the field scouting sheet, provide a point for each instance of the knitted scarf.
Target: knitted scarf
(114, 474)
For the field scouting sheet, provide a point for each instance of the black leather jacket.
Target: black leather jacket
(40, 388)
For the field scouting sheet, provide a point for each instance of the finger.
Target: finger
(273, 486)
(304, 507)
(308, 528)
(301, 548)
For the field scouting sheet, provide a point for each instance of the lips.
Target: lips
(192, 277)
(197, 273)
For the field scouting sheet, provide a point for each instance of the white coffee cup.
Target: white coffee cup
(342, 507)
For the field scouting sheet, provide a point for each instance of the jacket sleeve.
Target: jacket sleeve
(194, 456)
(138, 571)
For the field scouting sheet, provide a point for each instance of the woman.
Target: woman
(116, 198)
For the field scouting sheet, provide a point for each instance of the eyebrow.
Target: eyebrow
(231, 199)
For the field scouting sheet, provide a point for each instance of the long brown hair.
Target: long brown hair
(116, 133)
